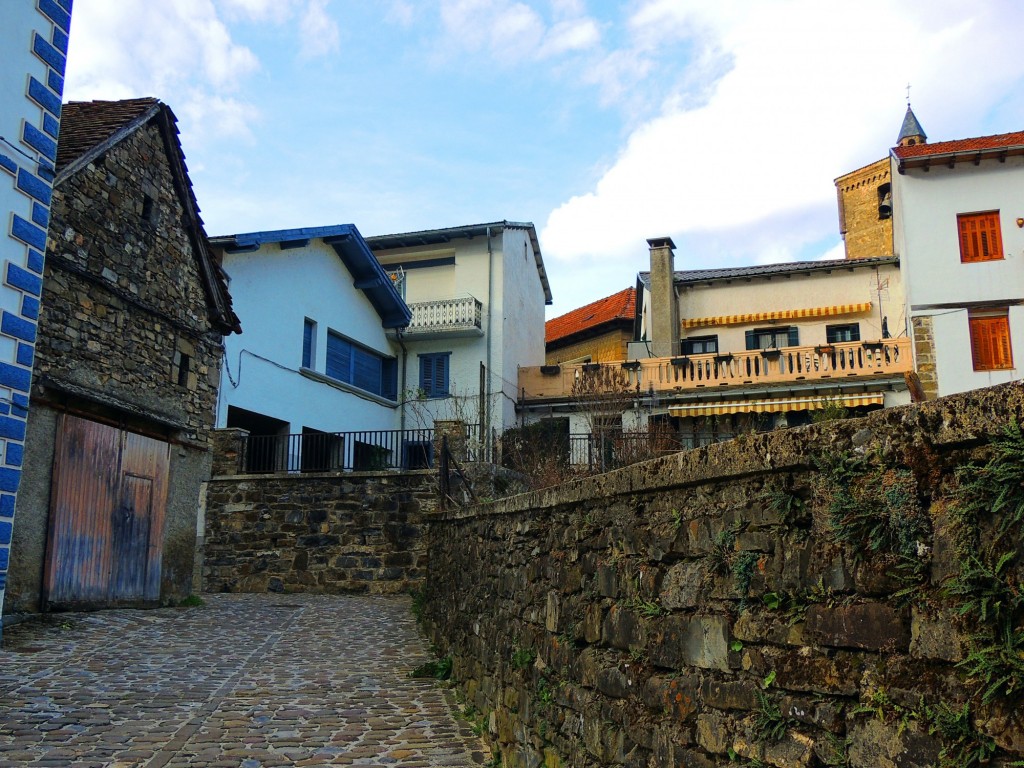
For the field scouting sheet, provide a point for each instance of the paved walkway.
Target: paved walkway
(245, 681)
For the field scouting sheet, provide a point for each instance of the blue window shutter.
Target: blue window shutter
(426, 374)
(389, 378)
(339, 358)
(794, 337)
(307, 344)
(751, 340)
(366, 370)
(441, 375)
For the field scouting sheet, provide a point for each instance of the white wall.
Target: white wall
(512, 302)
(520, 338)
(926, 238)
(273, 292)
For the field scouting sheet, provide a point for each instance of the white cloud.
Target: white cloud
(276, 11)
(401, 12)
(320, 33)
(803, 91)
(175, 50)
(513, 32)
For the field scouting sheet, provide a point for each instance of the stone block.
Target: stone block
(868, 626)
(937, 636)
(730, 694)
(623, 629)
(682, 585)
(675, 696)
(697, 641)
(713, 732)
(874, 744)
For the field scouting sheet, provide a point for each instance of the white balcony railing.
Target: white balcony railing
(446, 317)
(850, 360)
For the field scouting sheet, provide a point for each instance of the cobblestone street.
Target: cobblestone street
(245, 681)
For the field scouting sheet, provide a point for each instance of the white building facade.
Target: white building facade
(315, 358)
(958, 229)
(477, 295)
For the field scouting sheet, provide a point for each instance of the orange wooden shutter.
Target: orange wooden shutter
(980, 238)
(990, 343)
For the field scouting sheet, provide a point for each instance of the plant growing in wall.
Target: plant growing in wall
(987, 588)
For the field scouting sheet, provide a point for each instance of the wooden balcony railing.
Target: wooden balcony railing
(739, 369)
(462, 316)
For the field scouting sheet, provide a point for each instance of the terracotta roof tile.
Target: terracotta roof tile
(619, 306)
(84, 124)
(961, 145)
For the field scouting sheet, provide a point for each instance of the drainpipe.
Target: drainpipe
(401, 386)
(485, 416)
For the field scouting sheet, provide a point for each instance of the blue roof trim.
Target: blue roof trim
(369, 276)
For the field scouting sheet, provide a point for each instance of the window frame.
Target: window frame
(830, 333)
(309, 344)
(990, 225)
(387, 382)
(428, 380)
(991, 343)
(792, 333)
(687, 344)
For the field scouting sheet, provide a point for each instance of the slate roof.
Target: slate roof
(90, 128)
(979, 144)
(769, 270)
(620, 306)
(911, 127)
(86, 124)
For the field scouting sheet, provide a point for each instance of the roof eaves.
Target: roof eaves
(98, 149)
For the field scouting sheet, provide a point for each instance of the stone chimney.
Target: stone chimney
(664, 304)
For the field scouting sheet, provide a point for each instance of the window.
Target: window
(434, 374)
(990, 342)
(308, 343)
(836, 334)
(700, 345)
(773, 338)
(980, 238)
(361, 367)
(184, 363)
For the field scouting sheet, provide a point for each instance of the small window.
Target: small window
(434, 370)
(308, 343)
(184, 365)
(990, 342)
(700, 345)
(147, 208)
(980, 237)
(773, 338)
(837, 334)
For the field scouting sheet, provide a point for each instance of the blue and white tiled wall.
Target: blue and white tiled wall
(35, 45)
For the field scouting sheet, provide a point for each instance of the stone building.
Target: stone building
(127, 366)
(595, 332)
(864, 197)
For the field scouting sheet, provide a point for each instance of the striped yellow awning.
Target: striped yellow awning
(775, 405)
(782, 314)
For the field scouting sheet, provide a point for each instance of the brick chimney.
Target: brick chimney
(664, 304)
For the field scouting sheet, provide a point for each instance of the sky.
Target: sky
(720, 124)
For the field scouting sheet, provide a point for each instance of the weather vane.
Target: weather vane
(908, 94)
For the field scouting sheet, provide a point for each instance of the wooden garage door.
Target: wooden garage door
(106, 516)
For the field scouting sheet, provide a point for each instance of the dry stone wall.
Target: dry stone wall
(806, 597)
(317, 533)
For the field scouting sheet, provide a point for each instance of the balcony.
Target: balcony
(446, 318)
(790, 365)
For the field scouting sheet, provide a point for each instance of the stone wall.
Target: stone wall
(610, 346)
(317, 533)
(924, 355)
(123, 299)
(785, 599)
(864, 233)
